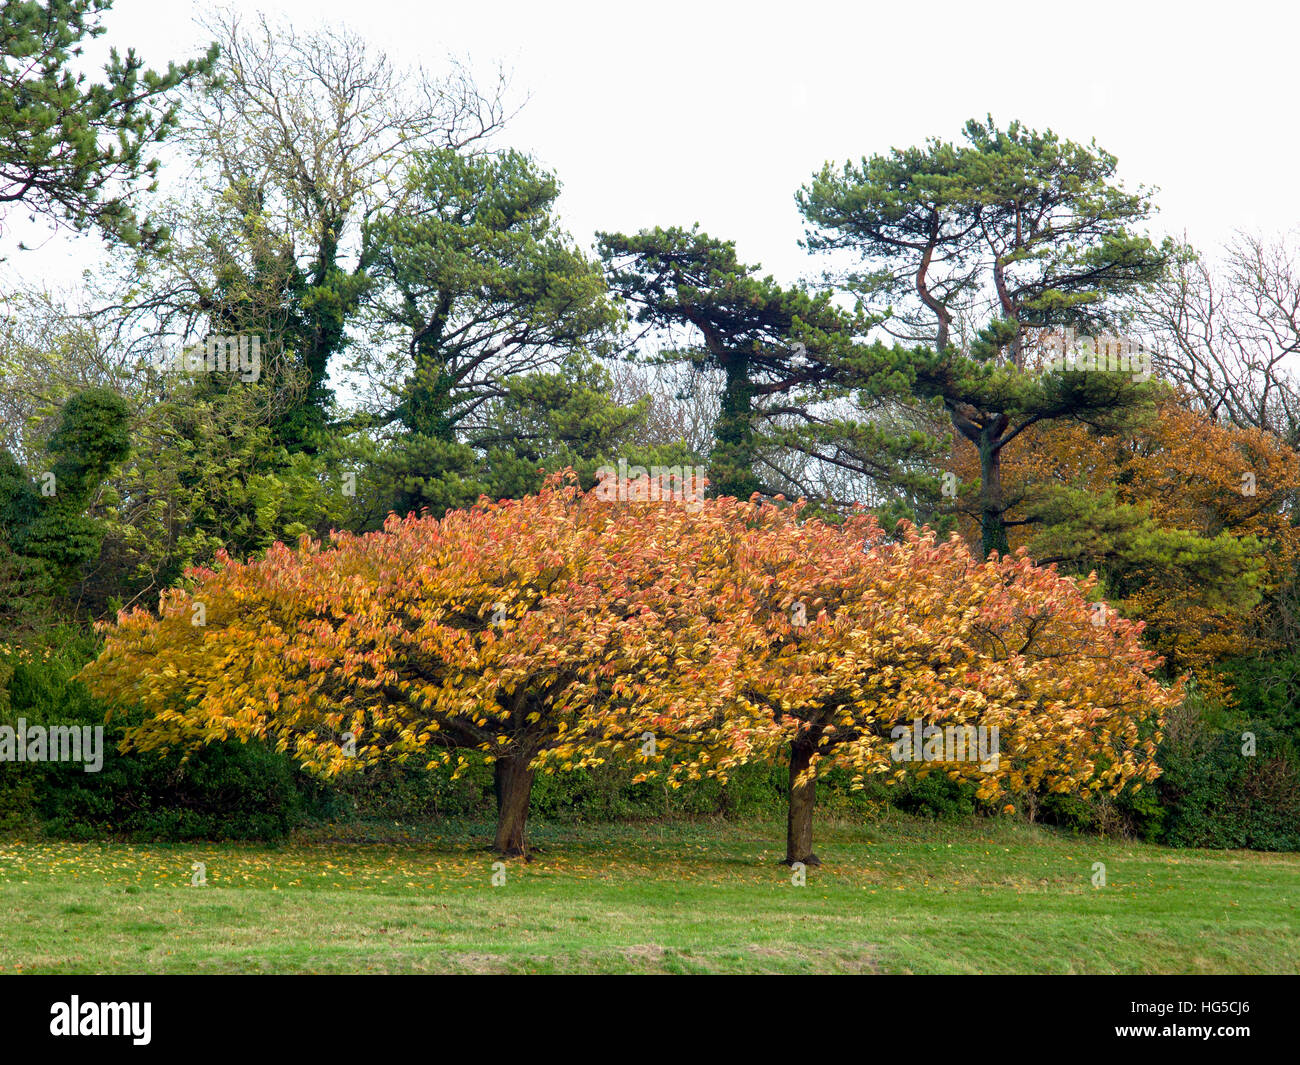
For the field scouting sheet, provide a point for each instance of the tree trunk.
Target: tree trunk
(803, 798)
(993, 528)
(985, 430)
(514, 785)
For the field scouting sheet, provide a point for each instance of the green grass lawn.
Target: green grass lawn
(899, 896)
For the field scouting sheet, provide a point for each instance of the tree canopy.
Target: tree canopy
(72, 151)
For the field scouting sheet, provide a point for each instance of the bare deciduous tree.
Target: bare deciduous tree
(1229, 331)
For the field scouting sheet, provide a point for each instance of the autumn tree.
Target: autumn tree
(1188, 520)
(508, 629)
(865, 642)
(845, 639)
(560, 631)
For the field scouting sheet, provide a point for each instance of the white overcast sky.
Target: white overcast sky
(679, 112)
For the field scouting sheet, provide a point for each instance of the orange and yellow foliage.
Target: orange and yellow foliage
(559, 630)
(1191, 474)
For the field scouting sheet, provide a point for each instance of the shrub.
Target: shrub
(1217, 795)
(936, 796)
(228, 791)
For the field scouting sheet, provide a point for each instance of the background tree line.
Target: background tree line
(431, 334)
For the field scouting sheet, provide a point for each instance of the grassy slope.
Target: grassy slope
(902, 896)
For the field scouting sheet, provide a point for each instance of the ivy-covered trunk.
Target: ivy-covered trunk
(993, 528)
(731, 464)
